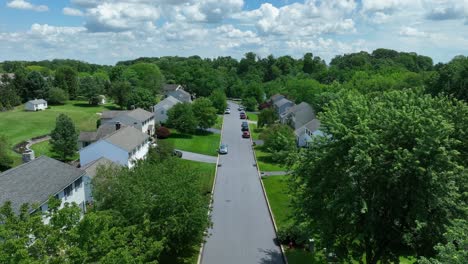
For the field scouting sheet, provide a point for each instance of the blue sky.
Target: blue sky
(106, 31)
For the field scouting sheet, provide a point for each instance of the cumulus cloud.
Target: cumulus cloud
(446, 9)
(21, 4)
(412, 32)
(72, 11)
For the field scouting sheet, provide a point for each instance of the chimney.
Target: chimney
(117, 126)
(28, 155)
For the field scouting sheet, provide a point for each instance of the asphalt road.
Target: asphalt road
(242, 230)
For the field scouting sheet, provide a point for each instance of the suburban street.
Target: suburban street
(242, 228)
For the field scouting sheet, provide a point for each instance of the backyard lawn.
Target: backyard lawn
(252, 116)
(43, 149)
(18, 125)
(201, 142)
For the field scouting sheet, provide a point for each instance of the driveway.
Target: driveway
(242, 231)
(198, 157)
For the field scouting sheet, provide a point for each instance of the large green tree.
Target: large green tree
(387, 177)
(35, 86)
(148, 77)
(182, 118)
(219, 100)
(204, 112)
(66, 78)
(279, 140)
(64, 137)
(267, 116)
(121, 91)
(142, 98)
(91, 89)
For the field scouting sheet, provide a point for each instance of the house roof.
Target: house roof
(140, 114)
(86, 136)
(181, 95)
(171, 87)
(103, 131)
(112, 114)
(312, 126)
(37, 101)
(303, 113)
(282, 102)
(127, 138)
(36, 181)
(276, 97)
(92, 167)
(167, 103)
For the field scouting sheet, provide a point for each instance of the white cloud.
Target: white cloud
(21, 4)
(412, 32)
(72, 11)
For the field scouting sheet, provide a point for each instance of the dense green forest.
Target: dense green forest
(388, 179)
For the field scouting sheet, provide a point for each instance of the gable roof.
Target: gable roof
(92, 167)
(303, 113)
(127, 138)
(282, 102)
(171, 87)
(167, 103)
(103, 131)
(276, 97)
(112, 114)
(139, 114)
(181, 95)
(37, 101)
(312, 126)
(35, 181)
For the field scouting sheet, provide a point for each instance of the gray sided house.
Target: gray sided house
(36, 181)
(160, 110)
(282, 105)
(276, 97)
(298, 115)
(86, 138)
(138, 118)
(305, 133)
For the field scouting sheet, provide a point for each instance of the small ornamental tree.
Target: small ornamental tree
(64, 137)
(163, 132)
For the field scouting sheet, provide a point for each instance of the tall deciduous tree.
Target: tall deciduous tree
(66, 78)
(142, 98)
(57, 96)
(388, 175)
(35, 86)
(64, 137)
(91, 89)
(204, 112)
(279, 140)
(149, 77)
(267, 116)
(120, 91)
(219, 100)
(181, 117)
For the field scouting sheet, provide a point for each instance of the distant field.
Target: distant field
(19, 125)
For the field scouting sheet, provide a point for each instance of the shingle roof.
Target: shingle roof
(111, 114)
(181, 95)
(36, 181)
(312, 126)
(86, 136)
(167, 103)
(281, 102)
(103, 131)
(170, 87)
(91, 168)
(37, 101)
(127, 138)
(140, 114)
(276, 97)
(303, 113)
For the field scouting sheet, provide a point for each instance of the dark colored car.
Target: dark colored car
(245, 128)
(243, 116)
(246, 134)
(244, 124)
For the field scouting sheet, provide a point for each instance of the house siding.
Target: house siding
(100, 149)
(32, 107)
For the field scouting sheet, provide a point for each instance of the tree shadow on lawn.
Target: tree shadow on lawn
(86, 105)
(179, 135)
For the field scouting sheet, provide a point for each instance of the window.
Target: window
(67, 191)
(162, 112)
(78, 183)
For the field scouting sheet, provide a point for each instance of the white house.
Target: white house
(34, 182)
(124, 147)
(305, 133)
(138, 118)
(160, 110)
(36, 105)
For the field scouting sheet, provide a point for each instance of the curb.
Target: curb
(283, 254)
(202, 246)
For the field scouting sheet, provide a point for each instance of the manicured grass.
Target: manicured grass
(43, 149)
(278, 195)
(265, 162)
(202, 142)
(252, 116)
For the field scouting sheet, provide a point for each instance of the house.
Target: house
(276, 97)
(305, 133)
(160, 110)
(34, 182)
(138, 118)
(36, 105)
(181, 95)
(124, 147)
(91, 170)
(282, 105)
(102, 99)
(167, 88)
(87, 138)
(298, 115)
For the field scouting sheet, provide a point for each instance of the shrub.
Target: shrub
(296, 233)
(163, 132)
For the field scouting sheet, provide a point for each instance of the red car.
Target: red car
(246, 134)
(243, 116)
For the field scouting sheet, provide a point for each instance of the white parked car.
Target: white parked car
(227, 111)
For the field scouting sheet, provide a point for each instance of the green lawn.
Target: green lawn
(277, 191)
(252, 116)
(219, 122)
(265, 162)
(202, 142)
(255, 132)
(43, 149)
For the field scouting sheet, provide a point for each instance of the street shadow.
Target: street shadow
(271, 257)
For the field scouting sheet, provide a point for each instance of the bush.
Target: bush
(163, 132)
(298, 234)
(57, 96)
